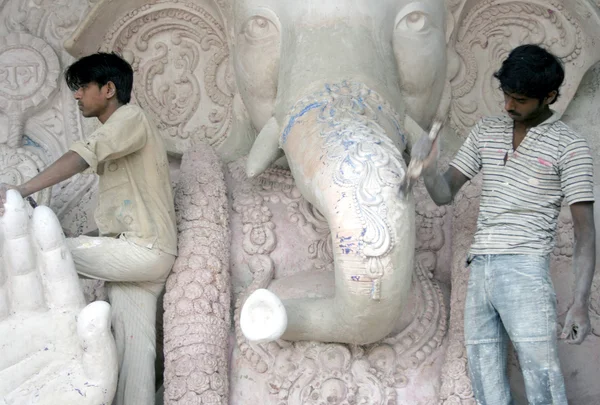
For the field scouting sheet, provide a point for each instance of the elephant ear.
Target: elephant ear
(482, 33)
(180, 53)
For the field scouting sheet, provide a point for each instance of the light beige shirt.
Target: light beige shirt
(135, 195)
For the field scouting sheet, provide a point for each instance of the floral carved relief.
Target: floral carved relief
(485, 36)
(180, 56)
(316, 373)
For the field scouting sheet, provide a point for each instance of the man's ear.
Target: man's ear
(551, 97)
(111, 90)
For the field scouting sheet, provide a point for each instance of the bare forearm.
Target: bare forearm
(438, 186)
(584, 263)
(65, 167)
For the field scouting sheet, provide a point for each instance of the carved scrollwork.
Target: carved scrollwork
(180, 54)
(485, 37)
(18, 165)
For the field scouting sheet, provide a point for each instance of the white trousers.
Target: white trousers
(135, 276)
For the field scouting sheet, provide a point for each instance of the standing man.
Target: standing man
(135, 214)
(530, 161)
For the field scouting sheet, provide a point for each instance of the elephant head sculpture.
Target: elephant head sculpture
(341, 89)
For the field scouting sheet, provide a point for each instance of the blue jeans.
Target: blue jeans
(512, 296)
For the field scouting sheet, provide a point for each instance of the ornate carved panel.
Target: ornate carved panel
(29, 72)
(19, 165)
(487, 31)
(180, 57)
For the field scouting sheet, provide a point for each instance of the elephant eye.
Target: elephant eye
(260, 29)
(416, 21)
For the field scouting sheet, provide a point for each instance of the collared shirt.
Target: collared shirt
(523, 189)
(135, 196)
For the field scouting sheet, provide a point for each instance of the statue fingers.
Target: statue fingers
(55, 263)
(23, 280)
(100, 363)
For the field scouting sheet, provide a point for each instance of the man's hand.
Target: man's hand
(426, 151)
(577, 322)
(424, 155)
(577, 325)
(53, 348)
(3, 189)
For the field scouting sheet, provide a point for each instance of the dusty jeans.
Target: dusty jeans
(135, 277)
(512, 296)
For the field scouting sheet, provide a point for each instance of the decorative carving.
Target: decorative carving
(314, 226)
(485, 37)
(19, 165)
(29, 72)
(180, 55)
(197, 298)
(456, 386)
(309, 372)
(564, 234)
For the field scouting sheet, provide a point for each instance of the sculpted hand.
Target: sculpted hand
(3, 189)
(53, 348)
(577, 325)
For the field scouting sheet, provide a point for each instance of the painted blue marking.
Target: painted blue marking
(293, 119)
(27, 141)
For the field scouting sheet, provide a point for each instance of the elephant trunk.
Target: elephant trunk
(340, 146)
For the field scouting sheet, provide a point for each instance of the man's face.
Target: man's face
(92, 99)
(523, 108)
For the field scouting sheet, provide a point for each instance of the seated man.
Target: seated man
(135, 214)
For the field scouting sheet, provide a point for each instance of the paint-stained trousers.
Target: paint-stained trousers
(512, 297)
(135, 276)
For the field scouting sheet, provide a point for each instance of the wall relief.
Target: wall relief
(180, 56)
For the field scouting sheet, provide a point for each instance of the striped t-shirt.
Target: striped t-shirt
(523, 190)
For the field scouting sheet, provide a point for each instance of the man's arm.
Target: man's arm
(443, 187)
(577, 323)
(65, 167)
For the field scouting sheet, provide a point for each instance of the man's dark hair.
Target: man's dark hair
(101, 68)
(531, 71)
